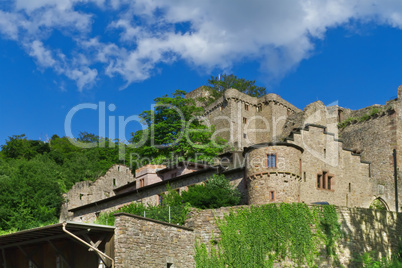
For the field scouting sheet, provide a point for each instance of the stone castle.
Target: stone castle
(279, 154)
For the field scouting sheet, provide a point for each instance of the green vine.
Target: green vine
(268, 234)
(373, 112)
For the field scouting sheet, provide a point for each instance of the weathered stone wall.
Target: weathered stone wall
(375, 139)
(86, 192)
(350, 185)
(142, 242)
(243, 120)
(364, 230)
(146, 195)
(277, 183)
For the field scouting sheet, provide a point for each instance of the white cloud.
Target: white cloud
(41, 54)
(206, 34)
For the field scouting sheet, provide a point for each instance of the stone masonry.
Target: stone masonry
(143, 243)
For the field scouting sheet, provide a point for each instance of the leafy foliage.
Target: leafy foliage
(215, 193)
(271, 233)
(178, 213)
(34, 175)
(174, 129)
(217, 85)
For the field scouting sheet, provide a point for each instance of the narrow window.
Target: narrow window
(220, 108)
(244, 120)
(114, 182)
(271, 161)
(325, 153)
(329, 182)
(300, 166)
(319, 176)
(350, 187)
(272, 196)
(259, 108)
(81, 195)
(304, 176)
(246, 107)
(339, 115)
(244, 135)
(324, 178)
(118, 168)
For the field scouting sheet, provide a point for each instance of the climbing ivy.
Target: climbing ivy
(261, 236)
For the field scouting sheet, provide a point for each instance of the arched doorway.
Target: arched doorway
(379, 204)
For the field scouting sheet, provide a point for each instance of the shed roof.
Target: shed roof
(51, 232)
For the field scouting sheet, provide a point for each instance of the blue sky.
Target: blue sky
(57, 54)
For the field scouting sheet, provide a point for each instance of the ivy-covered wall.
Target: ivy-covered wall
(327, 243)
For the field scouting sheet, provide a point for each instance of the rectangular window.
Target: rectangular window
(114, 182)
(304, 176)
(259, 108)
(350, 187)
(141, 183)
(329, 182)
(271, 160)
(246, 107)
(319, 176)
(160, 199)
(244, 120)
(220, 108)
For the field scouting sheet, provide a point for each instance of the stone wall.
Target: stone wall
(375, 139)
(86, 192)
(324, 157)
(142, 242)
(364, 230)
(243, 120)
(278, 182)
(150, 194)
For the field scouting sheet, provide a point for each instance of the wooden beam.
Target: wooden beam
(29, 257)
(4, 258)
(89, 240)
(60, 254)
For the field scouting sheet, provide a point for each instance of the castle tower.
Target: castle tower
(273, 173)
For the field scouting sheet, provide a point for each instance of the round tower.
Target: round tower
(273, 173)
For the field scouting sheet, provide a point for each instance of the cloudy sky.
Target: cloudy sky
(57, 54)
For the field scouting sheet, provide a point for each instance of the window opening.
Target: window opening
(329, 182)
(272, 195)
(319, 176)
(271, 160)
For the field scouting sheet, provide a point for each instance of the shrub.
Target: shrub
(215, 193)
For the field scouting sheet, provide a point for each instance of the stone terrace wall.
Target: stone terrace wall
(364, 230)
(142, 242)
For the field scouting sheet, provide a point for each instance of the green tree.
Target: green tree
(18, 146)
(217, 86)
(173, 128)
(215, 193)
